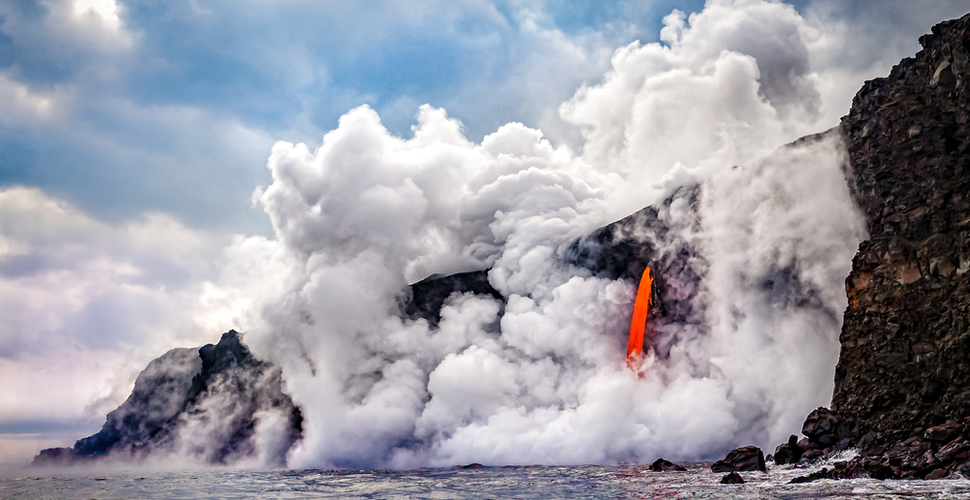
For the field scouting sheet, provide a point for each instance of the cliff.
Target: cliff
(217, 404)
(902, 384)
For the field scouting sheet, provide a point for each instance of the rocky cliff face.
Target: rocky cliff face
(902, 385)
(217, 404)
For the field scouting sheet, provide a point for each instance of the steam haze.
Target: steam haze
(315, 275)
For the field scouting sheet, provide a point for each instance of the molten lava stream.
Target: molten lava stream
(639, 323)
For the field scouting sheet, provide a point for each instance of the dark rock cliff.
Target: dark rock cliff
(207, 404)
(902, 384)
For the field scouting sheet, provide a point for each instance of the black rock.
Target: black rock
(623, 249)
(820, 427)
(426, 297)
(788, 453)
(815, 476)
(904, 344)
(661, 465)
(943, 433)
(747, 458)
(732, 478)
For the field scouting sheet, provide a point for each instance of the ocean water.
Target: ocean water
(525, 482)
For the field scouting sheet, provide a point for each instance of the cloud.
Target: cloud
(87, 304)
(727, 85)
(68, 281)
(169, 106)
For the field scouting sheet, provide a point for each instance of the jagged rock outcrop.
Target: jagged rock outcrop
(217, 404)
(902, 384)
(788, 453)
(664, 465)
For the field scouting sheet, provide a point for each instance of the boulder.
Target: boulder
(732, 478)
(788, 453)
(943, 433)
(825, 473)
(661, 465)
(747, 458)
(820, 427)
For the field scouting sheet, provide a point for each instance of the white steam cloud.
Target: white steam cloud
(542, 379)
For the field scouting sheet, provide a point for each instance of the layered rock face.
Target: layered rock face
(217, 404)
(902, 385)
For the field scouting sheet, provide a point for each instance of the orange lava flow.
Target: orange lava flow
(639, 323)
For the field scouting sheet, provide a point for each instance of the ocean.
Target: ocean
(522, 482)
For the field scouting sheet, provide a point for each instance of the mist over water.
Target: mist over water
(543, 380)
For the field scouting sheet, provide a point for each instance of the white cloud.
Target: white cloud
(23, 105)
(106, 10)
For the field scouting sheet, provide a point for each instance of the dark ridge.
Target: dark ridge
(426, 297)
(621, 250)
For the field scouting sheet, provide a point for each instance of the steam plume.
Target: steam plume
(542, 380)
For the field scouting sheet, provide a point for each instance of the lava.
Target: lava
(639, 323)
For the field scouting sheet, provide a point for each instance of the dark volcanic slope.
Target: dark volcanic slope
(623, 249)
(427, 297)
(207, 404)
(904, 368)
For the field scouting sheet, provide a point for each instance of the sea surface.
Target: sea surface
(526, 482)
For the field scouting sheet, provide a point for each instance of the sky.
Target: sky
(150, 151)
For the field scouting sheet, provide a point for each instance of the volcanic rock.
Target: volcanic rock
(732, 478)
(905, 339)
(820, 428)
(825, 473)
(943, 433)
(747, 458)
(661, 465)
(788, 453)
(222, 392)
(426, 298)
